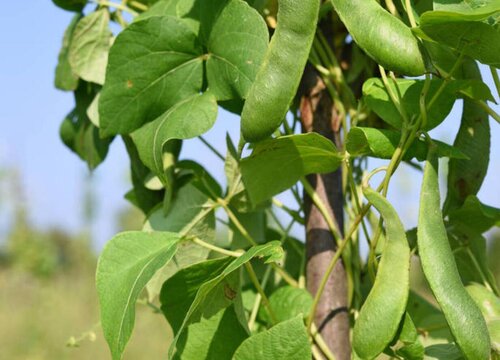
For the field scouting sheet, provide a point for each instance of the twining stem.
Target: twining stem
(290, 280)
(260, 290)
(409, 11)
(316, 199)
(258, 299)
(320, 342)
(392, 8)
(212, 148)
(394, 99)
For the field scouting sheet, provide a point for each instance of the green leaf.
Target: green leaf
(88, 52)
(382, 143)
(468, 10)
(65, 78)
(125, 266)
(187, 119)
(173, 48)
(160, 8)
(179, 291)
(377, 98)
(488, 303)
(79, 134)
(70, 5)
(472, 89)
(270, 252)
(476, 39)
(465, 177)
(469, 250)
(153, 64)
(287, 302)
(236, 46)
(408, 345)
(428, 318)
(253, 222)
(277, 164)
(443, 352)
(494, 330)
(188, 212)
(215, 338)
(287, 340)
(93, 111)
(189, 170)
(475, 215)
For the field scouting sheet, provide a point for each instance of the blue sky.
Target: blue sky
(31, 110)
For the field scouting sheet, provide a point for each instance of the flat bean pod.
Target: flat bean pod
(381, 314)
(386, 39)
(278, 78)
(462, 314)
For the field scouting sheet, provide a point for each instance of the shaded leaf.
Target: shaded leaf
(70, 5)
(88, 52)
(277, 164)
(382, 143)
(465, 177)
(270, 252)
(287, 302)
(443, 352)
(142, 197)
(475, 215)
(187, 213)
(287, 340)
(377, 98)
(79, 134)
(215, 338)
(127, 263)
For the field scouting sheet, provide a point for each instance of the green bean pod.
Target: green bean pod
(381, 314)
(462, 314)
(383, 37)
(278, 78)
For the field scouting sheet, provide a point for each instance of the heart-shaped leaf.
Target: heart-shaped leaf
(277, 164)
(88, 52)
(187, 119)
(125, 266)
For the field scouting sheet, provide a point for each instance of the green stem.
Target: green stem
(391, 94)
(137, 5)
(260, 290)
(290, 280)
(409, 11)
(212, 148)
(489, 110)
(258, 299)
(318, 202)
(215, 248)
(318, 339)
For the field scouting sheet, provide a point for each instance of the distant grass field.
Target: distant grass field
(37, 317)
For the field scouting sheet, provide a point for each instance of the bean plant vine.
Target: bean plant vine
(153, 74)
